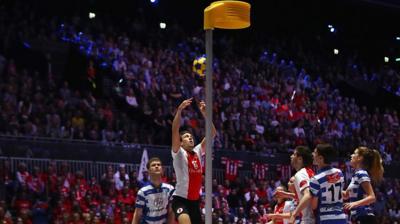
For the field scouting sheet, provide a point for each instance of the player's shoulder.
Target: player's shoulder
(361, 175)
(340, 172)
(361, 172)
(336, 169)
(330, 171)
(167, 186)
(197, 148)
(302, 173)
(146, 188)
(173, 151)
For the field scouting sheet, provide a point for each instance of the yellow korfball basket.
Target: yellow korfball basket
(227, 15)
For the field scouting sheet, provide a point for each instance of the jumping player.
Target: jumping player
(187, 165)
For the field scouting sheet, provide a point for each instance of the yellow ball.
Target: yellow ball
(199, 66)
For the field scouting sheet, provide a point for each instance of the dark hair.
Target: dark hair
(305, 153)
(152, 159)
(284, 185)
(372, 162)
(184, 132)
(327, 152)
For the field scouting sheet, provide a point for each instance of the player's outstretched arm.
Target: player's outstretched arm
(279, 215)
(176, 141)
(285, 194)
(202, 107)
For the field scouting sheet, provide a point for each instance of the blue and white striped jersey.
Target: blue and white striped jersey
(327, 185)
(356, 192)
(154, 202)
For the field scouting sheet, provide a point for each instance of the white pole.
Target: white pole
(209, 139)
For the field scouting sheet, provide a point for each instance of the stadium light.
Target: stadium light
(27, 45)
(332, 30)
(386, 59)
(335, 51)
(163, 25)
(330, 26)
(92, 15)
(397, 59)
(397, 38)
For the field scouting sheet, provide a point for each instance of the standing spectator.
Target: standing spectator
(145, 181)
(121, 178)
(6, 182)
(36, 182)
(22, 174)
(107, 180)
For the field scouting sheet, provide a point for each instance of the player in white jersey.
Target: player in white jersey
(367, 164)
(326, 187)
(153, 202)
(188, 169)
(301, 161)
(282, 209)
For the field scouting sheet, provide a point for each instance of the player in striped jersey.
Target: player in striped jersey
(153, 201)
(187, 165)
(368, 165)
(326, 187)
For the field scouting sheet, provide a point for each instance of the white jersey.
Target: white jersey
(301, 182)
(290, 206)
(188, 170)
(154, 202)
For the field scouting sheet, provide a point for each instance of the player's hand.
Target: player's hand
(345, 195)
(270, 216)
(185, 104)
(280, 193)
(350, 206)
(202, 107)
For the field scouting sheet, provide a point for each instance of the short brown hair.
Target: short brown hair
(305, 153)
(184, 132)
(327, 152)
(153, 159)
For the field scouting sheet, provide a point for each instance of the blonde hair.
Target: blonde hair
(372, 162)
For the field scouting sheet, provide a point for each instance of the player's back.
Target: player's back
(328, 185)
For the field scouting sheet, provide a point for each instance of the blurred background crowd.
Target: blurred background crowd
(123, 77)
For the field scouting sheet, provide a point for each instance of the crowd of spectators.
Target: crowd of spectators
(275, 101)
(261, 99)
(58, 195)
